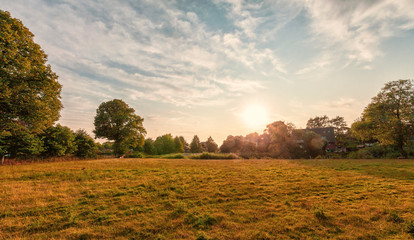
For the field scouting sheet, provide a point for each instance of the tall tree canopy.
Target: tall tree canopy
(116, 121)
(389, 117)
(29, 90)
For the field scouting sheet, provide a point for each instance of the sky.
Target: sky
(221, 67)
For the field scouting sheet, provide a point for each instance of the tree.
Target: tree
(179, 145)
(389, 117)
(341, 129)
(29, 90)
(232, 144)
(58, 141)
(3, 146)
(211, 146)
(281, 139)
(20, 142)
(318, 122)
(195, 145)
(85, 145)
(149, 147)
(165, 144)
(116, 121)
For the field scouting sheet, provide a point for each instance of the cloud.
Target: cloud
(354, 30)
(150, 50)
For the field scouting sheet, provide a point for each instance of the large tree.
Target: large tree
(29, 90)
(389, 117)
(116, 121)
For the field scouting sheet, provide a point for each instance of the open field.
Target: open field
(208, 199)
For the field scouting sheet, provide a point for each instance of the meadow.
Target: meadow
(208, 199)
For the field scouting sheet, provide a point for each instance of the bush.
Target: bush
(168, 156)
(86, 147)
(363, 153)
(376, 151)
(135, 155)
(207, 155)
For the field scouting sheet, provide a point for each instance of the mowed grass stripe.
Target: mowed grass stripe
(208, 199)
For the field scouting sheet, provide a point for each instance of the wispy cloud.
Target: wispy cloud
(353, 31)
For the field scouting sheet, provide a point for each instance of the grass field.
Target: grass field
(208, 199)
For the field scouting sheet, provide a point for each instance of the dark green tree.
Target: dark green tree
(29, 90)
(58, 141)
(116, 121)
(179, 145)
(21, 142)
(389, 117)
(85, 145)
(165, 144)
(149, 147)
(195, 145)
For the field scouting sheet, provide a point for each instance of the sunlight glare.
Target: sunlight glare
(255, 116)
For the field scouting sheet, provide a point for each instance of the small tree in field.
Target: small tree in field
(211, 145)
(116, 121)
(165, 144)
(195, 145)
(179, 145)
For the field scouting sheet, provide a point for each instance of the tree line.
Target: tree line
(30, 104)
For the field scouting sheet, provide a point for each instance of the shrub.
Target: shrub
(135, 155)
(207, 155)
(86, 147)
(363, 153)
(172, 156)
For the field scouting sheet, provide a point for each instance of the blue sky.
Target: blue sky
(193, 67)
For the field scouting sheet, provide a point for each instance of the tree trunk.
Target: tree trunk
(2, 160)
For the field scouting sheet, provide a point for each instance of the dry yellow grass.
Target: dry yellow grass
(208, 199)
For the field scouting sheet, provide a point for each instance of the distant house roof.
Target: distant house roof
(327, 133)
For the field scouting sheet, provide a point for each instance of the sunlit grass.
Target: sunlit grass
(208, 199)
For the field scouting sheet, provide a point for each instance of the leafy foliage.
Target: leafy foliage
(179, 145)
(20, 142)
(116, 121)
(29, 91)
(58, 141)
(195, 145)
(211, 146)
(149, 147)
(85, 145)
(165, 144)
(389, 117)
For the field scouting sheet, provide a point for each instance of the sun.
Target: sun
(255, 116)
